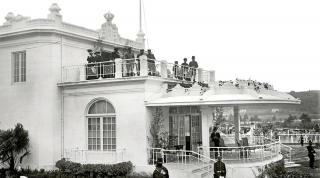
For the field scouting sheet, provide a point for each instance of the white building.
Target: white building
(44, 87)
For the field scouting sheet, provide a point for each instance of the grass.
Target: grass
(299, 155)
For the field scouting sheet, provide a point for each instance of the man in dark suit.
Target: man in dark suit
(193, 68)
(311, 154)
(129, 61)
(160, 171)
(91, 60)
(219, 168)
(151, 63)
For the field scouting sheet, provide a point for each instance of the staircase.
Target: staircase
(288, 163)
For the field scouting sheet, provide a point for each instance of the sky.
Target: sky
(274, 41)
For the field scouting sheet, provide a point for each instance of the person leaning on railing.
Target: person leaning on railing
(151, 63)
(130, 59)
(90, 65)
(98, 60)
(176, 70)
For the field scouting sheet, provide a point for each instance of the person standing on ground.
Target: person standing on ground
(301, 140)
(219, 168)
(193, 68)
(160, 171)
(311, 154)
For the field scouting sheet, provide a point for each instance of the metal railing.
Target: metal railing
(296, 138)
(244, 153)
(95, 156)
(135, 67)
(188, 161)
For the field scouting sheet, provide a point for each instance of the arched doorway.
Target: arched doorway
(185, 127)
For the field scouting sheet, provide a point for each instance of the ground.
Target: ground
(300, 156)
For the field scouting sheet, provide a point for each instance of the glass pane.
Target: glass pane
(90, 141)
(90, 147)
(105, 141)
(114, 141)
(113, 133)
(173, 110)
(113, 127)
(113, 120)
(110, 108)
(93, 109)
(109, 134)
(104, 120)
(109, 147)
(105, 147)
(184, 109)
(194, 109)
(89, 121)
(101, 109)
(113, 146)
(98, 147)
(109, 120)
(105, 126)
(109, 126)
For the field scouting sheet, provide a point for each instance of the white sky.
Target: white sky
(274, 41)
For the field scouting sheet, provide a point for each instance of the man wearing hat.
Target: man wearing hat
(91, 60)
(160, 171)
(311, 154)
(138, 61)
(185, 67)
(193, 68)
(151, 63)
(219, 168)
(129, 57)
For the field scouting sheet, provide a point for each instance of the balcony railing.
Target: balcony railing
(95, 156)
(120, 68)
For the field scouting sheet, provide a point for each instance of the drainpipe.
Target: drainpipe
(62, 101)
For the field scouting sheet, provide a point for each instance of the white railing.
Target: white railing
(296, 138)
(244, 153)
(95, 156)
(285, 150)
(189, 161)
(135, 67)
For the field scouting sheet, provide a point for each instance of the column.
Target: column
(118, 67)
(143, 65)
(200, 75)
(206, 118)
(164, 72)
(236, 123)
(212, 76)
(82, 71)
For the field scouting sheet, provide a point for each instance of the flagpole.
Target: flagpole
(140, 14)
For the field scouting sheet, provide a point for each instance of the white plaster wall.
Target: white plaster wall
(132, 117)
(36, 102)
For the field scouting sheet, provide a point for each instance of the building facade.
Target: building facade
(44, 85)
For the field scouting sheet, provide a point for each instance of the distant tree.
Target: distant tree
(14, 146)
(256, 118)
(305, 120)
(274, 118)
(218, 113)
(259, 125)
(246, 117)
(287, 122)
(266, 129)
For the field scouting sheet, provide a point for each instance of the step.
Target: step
(292, 165)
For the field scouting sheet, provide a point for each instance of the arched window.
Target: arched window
(101, 122)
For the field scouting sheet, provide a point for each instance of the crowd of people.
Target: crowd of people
(247, 83)
(103, 66)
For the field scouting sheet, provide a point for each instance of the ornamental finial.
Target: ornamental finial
(108, 16)
(54, 8)
(10, 16)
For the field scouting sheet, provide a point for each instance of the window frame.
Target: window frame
(101, 117)
(20, 67)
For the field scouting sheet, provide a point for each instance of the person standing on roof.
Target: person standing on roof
(151, 63)
(193, 68)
